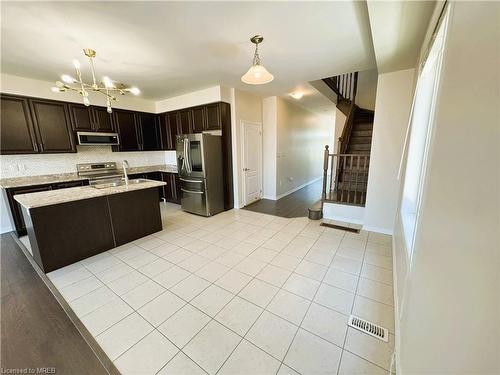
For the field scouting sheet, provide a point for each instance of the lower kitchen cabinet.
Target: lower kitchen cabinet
(15, 208)
(90, 226)
(173, 187)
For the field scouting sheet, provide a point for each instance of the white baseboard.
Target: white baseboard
(342, 212)
(397, 332)
(378, 230)
(346, 219)
(296, 188)
(271, 197)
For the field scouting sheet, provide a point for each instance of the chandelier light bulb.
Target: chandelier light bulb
(68, 79)
(106, 87)
(135, 90)
(107, 82)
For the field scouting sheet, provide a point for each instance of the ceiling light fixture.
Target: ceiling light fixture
(107, 87)
(297, 95)
(257, 74)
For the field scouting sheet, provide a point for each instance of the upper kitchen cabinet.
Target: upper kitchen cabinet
(213, 116)
(90, 119)
(81, 117)
(149, 132)
(103, 121)
(126, 126)
(168, 130)
(198, 119)
(53, 126)
(17, 134)
(185, 121)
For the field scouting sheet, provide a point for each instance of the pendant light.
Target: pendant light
(257, 74)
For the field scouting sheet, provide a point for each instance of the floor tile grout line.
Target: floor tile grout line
(267, 263)
(352, 308)
(310, 304)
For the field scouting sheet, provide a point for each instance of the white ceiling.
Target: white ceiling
(170, 48)
(398, 30)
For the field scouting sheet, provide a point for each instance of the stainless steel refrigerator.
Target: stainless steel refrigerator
(199, 164)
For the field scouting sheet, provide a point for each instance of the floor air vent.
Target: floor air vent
(371, 329)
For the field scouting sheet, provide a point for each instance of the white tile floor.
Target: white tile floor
(238, 293)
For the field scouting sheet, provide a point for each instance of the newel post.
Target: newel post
(325, 171)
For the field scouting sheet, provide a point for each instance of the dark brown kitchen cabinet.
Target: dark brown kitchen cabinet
(149, 132)
(185, 122)
(90, 119)
(198, 119)
(17, 134)
(15, 208)
(103, 121)
(81, 117)
(126, 126)
(52, 125)
(172, 189)
(168, 130)
(213, 116)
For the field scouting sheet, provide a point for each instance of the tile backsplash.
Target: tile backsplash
(41, 164)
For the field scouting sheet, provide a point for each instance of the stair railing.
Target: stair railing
(345, 178)
(347, 130)
(344, 85)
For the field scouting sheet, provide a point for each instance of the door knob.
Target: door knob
(246, 169)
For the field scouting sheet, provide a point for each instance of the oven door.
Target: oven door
(194, 196)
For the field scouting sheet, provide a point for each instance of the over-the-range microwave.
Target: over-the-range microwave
(96, 139)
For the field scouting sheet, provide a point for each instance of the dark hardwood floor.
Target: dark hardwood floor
(293, 205)
(35, 330)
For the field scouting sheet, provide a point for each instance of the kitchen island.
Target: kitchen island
(67, 225)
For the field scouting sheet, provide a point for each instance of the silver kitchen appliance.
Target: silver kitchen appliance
(199, 164)
(97, 139)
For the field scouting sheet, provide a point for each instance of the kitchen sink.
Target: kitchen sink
(121, 182)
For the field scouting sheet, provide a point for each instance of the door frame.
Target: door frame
(242, 150)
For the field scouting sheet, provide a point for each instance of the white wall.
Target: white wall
(367, 89)
(269, 145)
(392, 110)
(208, 95)
(301, 139)
(247, 107)
(448, 299)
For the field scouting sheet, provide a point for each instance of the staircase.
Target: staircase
(345, 174)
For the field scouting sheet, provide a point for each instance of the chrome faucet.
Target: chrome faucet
(125, 165)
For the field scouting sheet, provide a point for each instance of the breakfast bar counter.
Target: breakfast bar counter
(68, 225)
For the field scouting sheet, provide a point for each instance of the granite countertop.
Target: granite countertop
(14, 182)
(51, 197)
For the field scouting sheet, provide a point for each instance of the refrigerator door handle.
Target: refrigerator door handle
(193, 192)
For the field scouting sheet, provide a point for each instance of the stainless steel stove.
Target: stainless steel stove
(98, 173)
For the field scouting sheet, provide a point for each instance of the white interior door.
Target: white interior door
(251, 163)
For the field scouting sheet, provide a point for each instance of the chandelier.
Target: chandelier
(107, 87)
(257, 74)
